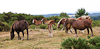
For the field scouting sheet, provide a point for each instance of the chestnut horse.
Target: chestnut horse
(62, 21)
(37, 22)
(46, 21)
(50, 27)
(19, 26)
(79, 24)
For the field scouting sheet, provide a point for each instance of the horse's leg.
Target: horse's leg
(81, 31)
(51, 31)
(36, 26)
(19, 38)
(27, 34)
(71, 31)
(88, 30)
(66, 30)
(75, 33)
(23, 35)
(62, 27)
(91, 31)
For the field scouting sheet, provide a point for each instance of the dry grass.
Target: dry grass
(39, 39)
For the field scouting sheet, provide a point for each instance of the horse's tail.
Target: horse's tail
(58, 25)
(12, 32)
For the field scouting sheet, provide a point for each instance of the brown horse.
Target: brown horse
(19, 26)
(79, 24)
(80, 18)
(46, 21)
(50, 28)
(37, 22)
(62, 21)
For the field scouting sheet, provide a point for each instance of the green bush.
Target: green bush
(4, 26)
(81, 43)
(43, 26)
(54, 27)
(95, 42)
(32, 26)
(96, 23)
(88, 36)
(71, 43)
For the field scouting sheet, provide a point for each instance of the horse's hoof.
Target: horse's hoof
(75, 35)
(91, 35)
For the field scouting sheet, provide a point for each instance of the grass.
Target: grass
(39, 39)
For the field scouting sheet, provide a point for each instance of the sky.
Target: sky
(38, 7)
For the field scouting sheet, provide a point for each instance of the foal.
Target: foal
(50, 27)
(46, 21)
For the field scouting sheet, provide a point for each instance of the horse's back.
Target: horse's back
(78, 24)
(82, 24)
(23, 24)
(20, 25)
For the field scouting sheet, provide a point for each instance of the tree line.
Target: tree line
(8, 19)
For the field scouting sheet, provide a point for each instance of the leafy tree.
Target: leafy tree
(63, 15)
(81, 12)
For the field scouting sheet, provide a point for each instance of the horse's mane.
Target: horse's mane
(60, 21)
(51, 21)
(45, 19)
(12, 25)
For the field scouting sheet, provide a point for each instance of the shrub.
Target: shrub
(43, 26)
(88, 37)
(4, 26)
(54, 27)
(71, 43)
(32, 26)
(95, 42)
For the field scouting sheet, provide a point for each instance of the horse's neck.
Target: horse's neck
(45, 21)
(35, 21)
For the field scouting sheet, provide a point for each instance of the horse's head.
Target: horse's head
(12, 35)
(80, 18)
(52, 22)
(44, 19)
(88, 17)
(33, 21)
(41, 19)
(12, 32)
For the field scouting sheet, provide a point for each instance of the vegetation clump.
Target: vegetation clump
(4, 26)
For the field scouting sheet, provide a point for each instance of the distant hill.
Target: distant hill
(91, 14)
(49, 15)
(94, 14)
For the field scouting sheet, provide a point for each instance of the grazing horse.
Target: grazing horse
(62, 21)
(37, 22)
(19, 26)
(79, 24)
(50, 28)
(80, 18)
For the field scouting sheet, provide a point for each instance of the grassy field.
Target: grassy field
(39, 39)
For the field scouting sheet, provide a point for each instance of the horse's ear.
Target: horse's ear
(87, 17)
(66, 19)
(80, 18)
(74, 19)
